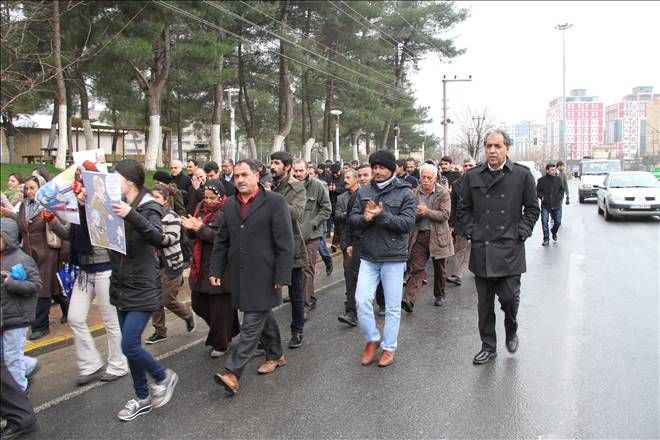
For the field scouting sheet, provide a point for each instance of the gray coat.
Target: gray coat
(260, 249)
(498, 214)
(19, 298)
(317, 209)
(295, 195)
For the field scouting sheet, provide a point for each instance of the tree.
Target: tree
(62, 144)
(473, 127)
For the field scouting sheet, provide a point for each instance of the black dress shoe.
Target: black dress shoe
(13, 430)
(38, 334)
(512, 344)
(438, 302)
(407, 305)
(349, 318)
(484, 356)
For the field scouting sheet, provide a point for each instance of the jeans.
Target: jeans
(11, 352)
(297, 301)
(41, 321)
(325, 252)
(391, 276)
(95, 287)
(140, 361)
(556, 221)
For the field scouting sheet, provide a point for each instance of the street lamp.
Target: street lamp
(337, 113)
(563, 28)
(232, 125)
(445, 121)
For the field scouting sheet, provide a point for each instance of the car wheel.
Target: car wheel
(581, 199)
(600, 211)
(606, 214)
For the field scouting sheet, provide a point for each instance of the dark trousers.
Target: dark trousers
(348, 267)
(41, 320)
(140, 361)
(15, 407)
(216, 310)
(310, 271)
(256, 326)
(419, 256)
(297, 298)
(507, 290)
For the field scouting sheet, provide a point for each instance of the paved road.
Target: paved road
(588, 363)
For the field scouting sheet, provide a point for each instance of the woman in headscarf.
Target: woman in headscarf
(212, 303)
(32, 227)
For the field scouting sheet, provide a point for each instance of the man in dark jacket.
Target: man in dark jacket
(498, 209)
(257, 238)
(561, 172)
(179, 177)
(550, 189)
(385, 213)
(402, 173)
(295, 195)
(447, 171)
(458, 263)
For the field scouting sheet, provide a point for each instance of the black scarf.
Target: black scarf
(80, 244)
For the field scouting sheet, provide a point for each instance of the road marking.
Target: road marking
(82, 390)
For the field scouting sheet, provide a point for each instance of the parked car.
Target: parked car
(532, 168)
(592, 173)
(629, 193)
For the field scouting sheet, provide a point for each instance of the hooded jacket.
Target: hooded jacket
(19, 298)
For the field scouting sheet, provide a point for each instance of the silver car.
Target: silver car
(629, 193)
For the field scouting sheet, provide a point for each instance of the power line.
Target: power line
(396, 10)
(317, 42)
(233, 14)
(233, 34)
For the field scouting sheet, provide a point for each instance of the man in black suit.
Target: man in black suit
(498, 209)
(255, 244)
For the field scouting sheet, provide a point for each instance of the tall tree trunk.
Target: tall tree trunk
(386, 135)
(368, 144)
(84, 111)
(327, 117)
(52, 135)
(69, 109)
(245, 106)
(60, 159)
(216, 120)
(286, 97)
(10, 131)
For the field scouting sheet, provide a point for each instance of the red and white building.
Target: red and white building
(584, 123)
(625, 123)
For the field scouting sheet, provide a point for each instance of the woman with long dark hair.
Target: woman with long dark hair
(135, 289)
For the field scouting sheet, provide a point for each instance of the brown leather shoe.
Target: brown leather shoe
(229, 381)
(386, 358)
(271, 365)
(369, 352)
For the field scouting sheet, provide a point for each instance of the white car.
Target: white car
(629, 193)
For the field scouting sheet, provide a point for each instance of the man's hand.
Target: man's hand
(121, 209)
(214, 281)
(422, 209)
(82, 196)
(278, 285)
(567, 202)
(349, 251)
(195, 182)
(372, 210)
(6, 212)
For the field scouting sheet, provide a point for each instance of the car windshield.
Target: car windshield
(636, 180)
(603, 167)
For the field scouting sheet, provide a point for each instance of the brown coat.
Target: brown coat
(33, 235)
(441, 244)
(205, 236)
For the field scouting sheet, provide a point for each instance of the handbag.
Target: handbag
(52, 240)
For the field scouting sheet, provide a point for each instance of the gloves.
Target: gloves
(47, 216)
(76, 187)
(567, 202)
(17, 272)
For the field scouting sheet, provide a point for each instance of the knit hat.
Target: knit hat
(215, 186)
(162, 176)
(384, 158)
(131, 170)
(335, 167)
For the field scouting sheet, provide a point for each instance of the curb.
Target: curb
(46, 345)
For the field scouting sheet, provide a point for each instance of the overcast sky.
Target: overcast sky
(514, 57)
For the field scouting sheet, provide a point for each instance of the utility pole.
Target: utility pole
(338, 154)
(445, 121)
(478, 127)
(232, 125)
(396, 141)
(563, 28)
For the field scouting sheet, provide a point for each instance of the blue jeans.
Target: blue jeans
(11, 353)
(391, 276)
(324, 251)
(556, 221)
(140, 361)
(297, 298)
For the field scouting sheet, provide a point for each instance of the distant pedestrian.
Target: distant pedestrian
(385, 213)
(402, 173)
(448, 171)
(255, 243)
(550, 189)
(561, 172)
(345, 203)
(498, 209)
(135, 289)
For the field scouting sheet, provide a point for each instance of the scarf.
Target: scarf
(13, 195)
(207, 212)
(32, 209)
(80, 243)
(382, 185)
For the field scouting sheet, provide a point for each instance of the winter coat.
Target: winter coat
(385, 238)
(550, 189)
(295, 195)
(498, 214)
(18, 298)
(171, 256)
(456, 189)
(206, 236)
(33, 235)
(260, 249)
(441, 244)
(317, 209)
(135, 279)
(341, 215)
(97, 257)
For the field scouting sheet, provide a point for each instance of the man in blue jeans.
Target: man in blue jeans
(550, 189)
(384, 212)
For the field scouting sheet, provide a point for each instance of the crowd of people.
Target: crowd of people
(246, 230)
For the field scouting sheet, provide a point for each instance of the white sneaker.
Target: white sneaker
(216, 353)
(162, 391)
(134, 408)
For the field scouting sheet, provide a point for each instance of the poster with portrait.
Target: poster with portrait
(58, 197)
(97, 157)
(106, 229)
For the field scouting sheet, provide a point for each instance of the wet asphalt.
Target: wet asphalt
(587, 366)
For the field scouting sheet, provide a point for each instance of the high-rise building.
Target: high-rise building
(652, 147)
(625, 123)
(584, 123)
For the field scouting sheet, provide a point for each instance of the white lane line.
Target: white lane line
(82, 390)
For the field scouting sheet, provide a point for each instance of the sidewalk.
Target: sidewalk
(61, 335)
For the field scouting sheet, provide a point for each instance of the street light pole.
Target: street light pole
(563, 28)
(337, 154)
(445, 121)
(232, 125)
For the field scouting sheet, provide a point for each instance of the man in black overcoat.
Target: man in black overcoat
(256, 236)
(498, 209)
